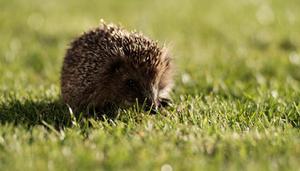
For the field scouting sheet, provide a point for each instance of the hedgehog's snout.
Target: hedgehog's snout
(151, 105)
(151, 102)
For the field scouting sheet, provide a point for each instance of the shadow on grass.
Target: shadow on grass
(30, 113)
(53, 113)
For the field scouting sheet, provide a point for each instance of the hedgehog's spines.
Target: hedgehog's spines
(83, 79)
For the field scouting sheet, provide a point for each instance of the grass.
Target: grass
(236, 100)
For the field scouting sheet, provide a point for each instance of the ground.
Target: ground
(236, 100)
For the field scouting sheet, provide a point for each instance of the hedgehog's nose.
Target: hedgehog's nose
(151, 106)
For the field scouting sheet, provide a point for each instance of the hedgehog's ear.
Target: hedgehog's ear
(116, 66)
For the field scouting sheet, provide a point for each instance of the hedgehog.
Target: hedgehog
(108, 68)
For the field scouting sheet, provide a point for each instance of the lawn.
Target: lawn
(236, 100)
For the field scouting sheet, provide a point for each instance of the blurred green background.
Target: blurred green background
(236, 99)
(35, 34)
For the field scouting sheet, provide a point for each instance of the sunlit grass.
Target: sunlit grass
(236, 99)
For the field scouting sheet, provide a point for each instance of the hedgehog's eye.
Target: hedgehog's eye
(115, 67)
(130, 83)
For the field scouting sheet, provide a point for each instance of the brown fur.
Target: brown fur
(109, 65)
